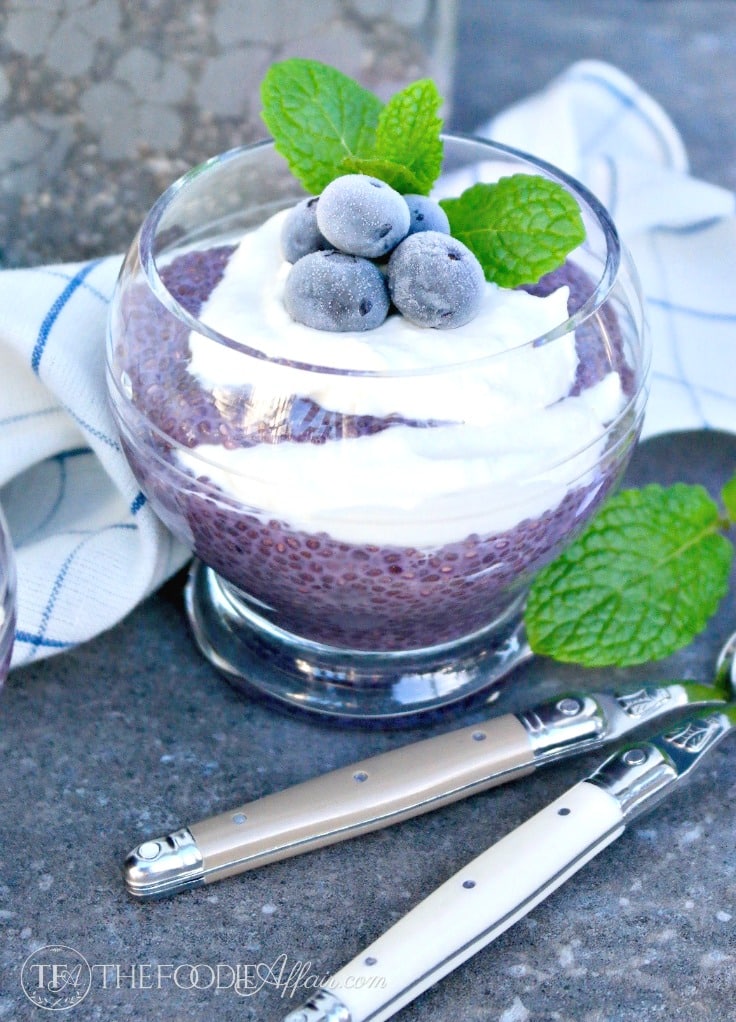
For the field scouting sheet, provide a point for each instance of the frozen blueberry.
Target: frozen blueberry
(300, 234)
(335, 291)
(435, 281)
(362, 215)
(426, 215)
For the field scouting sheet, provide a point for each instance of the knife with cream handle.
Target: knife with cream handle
(395, 785)
(504, 883)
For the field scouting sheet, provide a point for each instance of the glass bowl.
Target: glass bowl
(7, 598)
(364, 537)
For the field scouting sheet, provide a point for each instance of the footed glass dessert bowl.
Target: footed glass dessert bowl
(366, 509)
(7, 598)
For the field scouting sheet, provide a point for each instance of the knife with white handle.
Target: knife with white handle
(503, 884)
(395, 785)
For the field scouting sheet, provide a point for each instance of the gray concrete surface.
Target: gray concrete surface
(133, 734)
(681, 51)
(103, 103)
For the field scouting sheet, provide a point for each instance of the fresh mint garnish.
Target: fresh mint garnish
(519, 228)
(408, 148)
(728, 496)
(318, 116)
(326, 125)
(640, 583)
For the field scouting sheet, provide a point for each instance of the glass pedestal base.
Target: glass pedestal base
(349, 686)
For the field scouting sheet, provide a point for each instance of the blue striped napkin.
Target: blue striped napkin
(598, 125)
(88, 546)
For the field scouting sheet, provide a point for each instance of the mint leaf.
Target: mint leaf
(728, 496)
(408, 138)
(325, 124)
(519, 228)
(400, 178)
(641, 582)
(317, 116)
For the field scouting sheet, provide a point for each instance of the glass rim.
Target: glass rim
(595, 301)
(7, 567)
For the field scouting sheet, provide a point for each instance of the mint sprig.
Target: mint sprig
(640, 583)
(325, 125)
(519, 228)
(318, 116)
(407, 153)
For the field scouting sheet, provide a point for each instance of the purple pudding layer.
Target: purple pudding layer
(352, 596)
(365, 597)
(598, 340)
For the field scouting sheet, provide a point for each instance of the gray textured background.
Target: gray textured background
(133, 734)
(103, 103)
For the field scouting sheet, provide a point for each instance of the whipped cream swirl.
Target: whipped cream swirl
(511, 443)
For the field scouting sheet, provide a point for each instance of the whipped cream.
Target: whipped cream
(511, 441)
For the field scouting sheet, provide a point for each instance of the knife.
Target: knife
(504, 883)
(396, 785)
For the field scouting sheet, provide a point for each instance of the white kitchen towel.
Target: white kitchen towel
(88, 546)
(597, 124)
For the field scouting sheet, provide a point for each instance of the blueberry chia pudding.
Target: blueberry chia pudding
(372, 413)
(375, 502)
